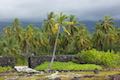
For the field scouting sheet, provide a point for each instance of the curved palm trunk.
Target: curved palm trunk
(54, 50)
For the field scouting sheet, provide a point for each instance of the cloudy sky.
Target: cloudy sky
(38, 9)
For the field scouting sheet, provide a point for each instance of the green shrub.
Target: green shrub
(2, 78)
(4, 69)
(68, 66)
(108, 59)
(20, 60)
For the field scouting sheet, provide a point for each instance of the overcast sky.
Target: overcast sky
(38, 9)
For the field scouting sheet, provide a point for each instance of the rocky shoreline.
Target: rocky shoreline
(102, 75)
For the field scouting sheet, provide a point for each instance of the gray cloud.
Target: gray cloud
(37, 9)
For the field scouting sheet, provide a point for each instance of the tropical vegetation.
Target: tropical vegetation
(68, 66)
(106, 59)
(65, 35)
(4, 69)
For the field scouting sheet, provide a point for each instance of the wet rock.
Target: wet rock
(57, 78)
(88, 76)
(75, 78)
(114, 77)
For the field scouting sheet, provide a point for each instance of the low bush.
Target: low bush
(107, 59)
(2, 78)
(21, 61)
(4, 69)
(68, 66)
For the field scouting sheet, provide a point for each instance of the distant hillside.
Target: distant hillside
(23, 23)
(90, 24)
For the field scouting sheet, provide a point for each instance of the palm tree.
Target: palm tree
(67, 37)
(28, 39)
(83, 41)
(50, 28)
(107, 24)
(72, 24)
(117, 44)
(39, 42)
(105, 35)
(98, 37)
(60, 24)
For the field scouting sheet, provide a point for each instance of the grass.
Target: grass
(68, 66)
(2, 78)
(4, 69)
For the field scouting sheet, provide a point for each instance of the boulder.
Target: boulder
(25, 69)
(53, 76)
(114, 77)
(75, 78)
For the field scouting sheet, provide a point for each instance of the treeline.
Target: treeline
(73, 37)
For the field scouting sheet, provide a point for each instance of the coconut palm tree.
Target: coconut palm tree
(59, 24)
(98, 37)
(83, 41)
(117, 44)
(105, 35)
(68, 41)
(107, 24)
(72, 24)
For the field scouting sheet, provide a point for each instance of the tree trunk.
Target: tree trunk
(54, 50)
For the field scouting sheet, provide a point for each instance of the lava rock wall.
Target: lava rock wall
(35, 61)
(7, 61)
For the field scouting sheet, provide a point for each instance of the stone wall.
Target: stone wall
(7, 61)
(34, 61)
